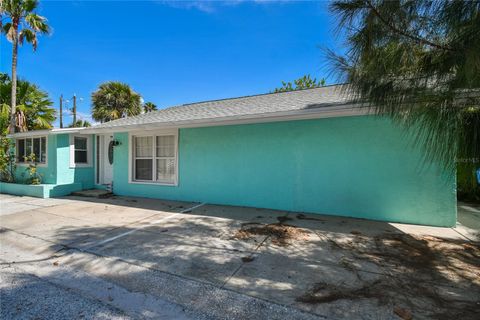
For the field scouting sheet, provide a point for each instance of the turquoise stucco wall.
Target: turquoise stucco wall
(353, 166)
(38, 191)
(41, 190)
(66, 174)
(58, 170)
(48, 172)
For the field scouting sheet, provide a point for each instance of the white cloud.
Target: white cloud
(211, 6)
(204, 6)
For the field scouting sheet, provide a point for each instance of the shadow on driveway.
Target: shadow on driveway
(324, 265)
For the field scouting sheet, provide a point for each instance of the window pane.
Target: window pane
(166, 146)
(80, 156)
(43, 150)
(36, 148)
(143, 169)
(143, 146)
(80, 143)
(28, 147)
(21, 150)
(165, 170)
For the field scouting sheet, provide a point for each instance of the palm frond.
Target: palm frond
(114, 100)
(27, 23)
(29, 5)
(31, 101)
(29, 36)
(37, 23)
(9, 31)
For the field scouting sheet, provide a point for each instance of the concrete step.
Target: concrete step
(93, 193)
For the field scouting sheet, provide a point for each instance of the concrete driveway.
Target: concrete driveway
(129, 258)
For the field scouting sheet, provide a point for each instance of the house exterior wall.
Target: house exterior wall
(41, 190)
(68, 174)
(362, 167)
(48, 171)
(58, 170)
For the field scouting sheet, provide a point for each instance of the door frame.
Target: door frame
(101, 159)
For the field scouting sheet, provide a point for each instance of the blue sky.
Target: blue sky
(176, 52)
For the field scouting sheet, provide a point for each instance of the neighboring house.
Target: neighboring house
(308, 151)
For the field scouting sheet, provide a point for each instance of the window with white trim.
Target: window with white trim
(81, 150)
(28, 146)
(155, 158)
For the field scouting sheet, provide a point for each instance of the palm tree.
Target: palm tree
(80, 124)
(23, 26)
(33, 106)
(114, 100)
(5, 91)
(149, 107)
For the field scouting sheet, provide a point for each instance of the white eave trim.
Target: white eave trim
(325, 112)
(44, 132)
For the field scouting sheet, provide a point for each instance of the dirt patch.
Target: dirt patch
(106, 195)
(278, 233)
(425, 254)
(422, 299)
(283, 219)
(403, 313)
(323, 292)
(248, 259)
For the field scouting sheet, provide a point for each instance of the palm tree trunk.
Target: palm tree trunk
(14, 82)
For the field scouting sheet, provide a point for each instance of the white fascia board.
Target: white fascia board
(44, 132)
(326, 112)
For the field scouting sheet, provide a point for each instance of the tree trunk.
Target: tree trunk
(14, 82)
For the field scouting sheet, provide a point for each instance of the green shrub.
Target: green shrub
(468, 188)
(7, 160)
(34, 176)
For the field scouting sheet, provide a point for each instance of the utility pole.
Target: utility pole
(74, 110)
(61, 111)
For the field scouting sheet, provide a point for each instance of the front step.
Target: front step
(93, 193)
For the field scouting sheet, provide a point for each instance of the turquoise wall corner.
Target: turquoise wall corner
(67, 174)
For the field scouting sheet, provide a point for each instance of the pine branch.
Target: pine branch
(403, 33)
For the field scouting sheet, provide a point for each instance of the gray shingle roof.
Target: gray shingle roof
(249, 106)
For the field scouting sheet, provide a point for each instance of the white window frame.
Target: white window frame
(72, 151)
(131, 159)
(26, 163)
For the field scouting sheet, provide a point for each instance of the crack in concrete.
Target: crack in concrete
(243, 263)
(250, 255)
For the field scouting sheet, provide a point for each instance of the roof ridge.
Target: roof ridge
(256, 95)
(286, 100)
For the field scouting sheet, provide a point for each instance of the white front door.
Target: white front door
(105, 159)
